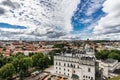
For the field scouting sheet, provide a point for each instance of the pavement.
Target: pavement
(50, 70)
(33, 78)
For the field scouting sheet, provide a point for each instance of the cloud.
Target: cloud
(55, 34)
(43, 19)
(93, 6)
(110, 24)
(10, 4)
(2, 11)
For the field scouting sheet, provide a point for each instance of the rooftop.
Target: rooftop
(110, 61)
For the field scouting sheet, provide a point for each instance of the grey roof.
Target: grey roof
(110, 61)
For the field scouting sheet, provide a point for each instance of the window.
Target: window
(84, 76)
(56, 63)
(68, 74)
(88, 69)
(74, 71)
(91, 78)
(59, 68)
(56, 67)
(68, 65)
(74, 66)
(71, 65)
(64, 69)
(68, 70)
(59, 63)
(56, 71)
(64, 64)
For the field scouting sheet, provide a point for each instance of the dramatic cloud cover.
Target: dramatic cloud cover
(59, 19)
(43, 19)
(109, 25)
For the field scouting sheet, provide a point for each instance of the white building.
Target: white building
(108, 67)
(80, 65)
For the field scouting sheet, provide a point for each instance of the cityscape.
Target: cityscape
(59, 40)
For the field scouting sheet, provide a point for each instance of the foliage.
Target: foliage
(51, 54)
(59, 45)
(20, 64)
(41, 61)
(16, 65)
(21, 75)
(114, 54)
(4, 60)
(7, 71)
(115, 78)
(35, 58)
(20, 55)
(25, 64)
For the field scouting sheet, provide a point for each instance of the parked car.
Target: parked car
(35, 73)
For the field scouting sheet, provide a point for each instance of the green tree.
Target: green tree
(105, 54)
(20, 55)
(41, 63)
(114, 55)
(98, 55)
(51, 58)
(16, 64)
(21, 75)
(35, 58)
(7, 71)
(1, 61)
(59, 45)
(4, 60)
(102, 54)
(25, 64)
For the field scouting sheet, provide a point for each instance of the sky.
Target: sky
(59, 19)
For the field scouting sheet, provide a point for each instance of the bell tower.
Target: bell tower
(88, 48)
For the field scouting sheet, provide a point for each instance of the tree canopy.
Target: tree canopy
(114, 54)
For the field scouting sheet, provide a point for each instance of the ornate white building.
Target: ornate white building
(76, 64)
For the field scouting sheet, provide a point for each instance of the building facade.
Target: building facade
(108, 67)
(76, 64)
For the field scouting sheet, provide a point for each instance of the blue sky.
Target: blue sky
(5, 25)
(81, 19)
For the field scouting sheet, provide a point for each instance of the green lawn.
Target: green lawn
(116, 78)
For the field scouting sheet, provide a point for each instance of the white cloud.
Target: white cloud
(110, 24)
(38, 16)
(93, 6)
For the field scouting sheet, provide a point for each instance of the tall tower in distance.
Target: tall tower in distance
(20, 40)
(88, 49)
